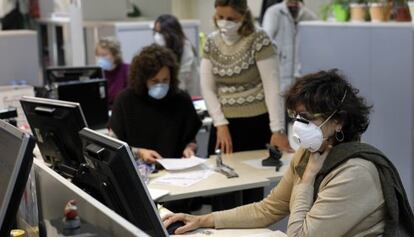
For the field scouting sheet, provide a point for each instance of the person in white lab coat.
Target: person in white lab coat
(280, 23)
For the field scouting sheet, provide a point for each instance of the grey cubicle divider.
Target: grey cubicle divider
(55, 191)
(378, 59)
(19, 58)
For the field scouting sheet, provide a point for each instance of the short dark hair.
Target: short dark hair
(148, 63)
(322, 93)
(173, 33)
(241, 7)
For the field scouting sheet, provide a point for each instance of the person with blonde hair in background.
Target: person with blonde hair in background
(109, 58)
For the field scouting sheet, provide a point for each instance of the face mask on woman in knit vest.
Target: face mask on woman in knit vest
(229, 30)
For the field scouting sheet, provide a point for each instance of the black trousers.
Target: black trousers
(247, 134)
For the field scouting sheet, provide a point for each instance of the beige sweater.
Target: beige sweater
(349, 203)
(241, 80)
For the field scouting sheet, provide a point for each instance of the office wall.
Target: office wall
(19, 58)
(315, 5)
(154, 8)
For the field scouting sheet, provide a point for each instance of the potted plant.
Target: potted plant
(358, 9)
(377, 10)
(401, 10)
(340, 10)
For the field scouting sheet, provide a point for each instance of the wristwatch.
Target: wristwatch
(281, 131)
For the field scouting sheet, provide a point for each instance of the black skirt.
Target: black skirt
(252, 133)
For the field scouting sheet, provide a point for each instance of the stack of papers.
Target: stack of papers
(181, 164)
(183, 179)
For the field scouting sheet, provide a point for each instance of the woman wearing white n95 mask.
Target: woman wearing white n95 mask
(240, 83)
(335, 185)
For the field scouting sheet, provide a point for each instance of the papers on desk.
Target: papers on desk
(157, 193)
(184, 178)
(181, 164)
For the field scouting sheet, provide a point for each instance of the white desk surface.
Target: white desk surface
(234, 232)
(261, 232)
(249, 177)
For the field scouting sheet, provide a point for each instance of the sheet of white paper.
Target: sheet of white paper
(269, 234)
(157, 193)
(180, 164)
(183, 179)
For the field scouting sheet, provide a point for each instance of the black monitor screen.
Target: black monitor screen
(65, 74)
(91, 95)
(56, 124)
(15, 162)
(111, 163)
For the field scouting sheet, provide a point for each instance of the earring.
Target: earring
(340, 136)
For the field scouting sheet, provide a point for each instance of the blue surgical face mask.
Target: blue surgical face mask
(158, 91)
(105, 63)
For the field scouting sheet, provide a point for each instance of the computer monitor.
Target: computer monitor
(56, 125)
(65, 74)
(112, 164)
(91, 95)
(16, 158)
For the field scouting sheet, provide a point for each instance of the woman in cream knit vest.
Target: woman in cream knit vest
(240, 83)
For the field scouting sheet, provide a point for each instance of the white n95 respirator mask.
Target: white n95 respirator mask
(308, 135)
(229, 30)
(159, 39)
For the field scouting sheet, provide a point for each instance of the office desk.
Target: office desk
(234, 232)
(264, 232)
(249, 177)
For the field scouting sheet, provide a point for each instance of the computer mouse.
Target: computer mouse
(173, 226)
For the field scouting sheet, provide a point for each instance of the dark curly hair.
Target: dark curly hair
(241, 7)
(148, 63)
(322, 93)
(173, 33)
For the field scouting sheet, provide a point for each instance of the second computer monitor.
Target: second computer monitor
(65, 74)
(91, 95)
(56, 124)
(112, 165)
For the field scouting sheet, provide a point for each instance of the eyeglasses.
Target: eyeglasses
(304, 115)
